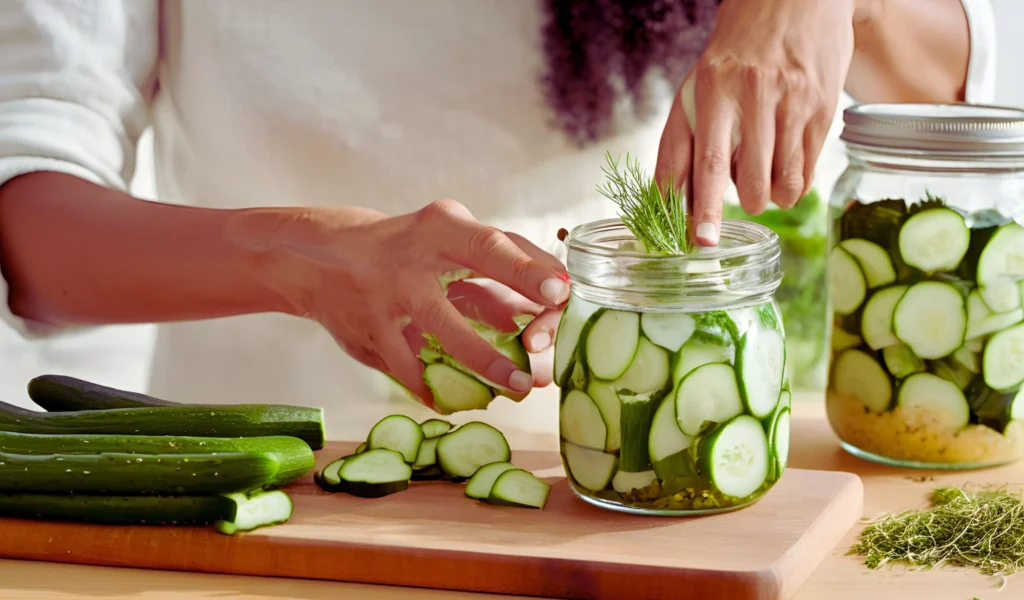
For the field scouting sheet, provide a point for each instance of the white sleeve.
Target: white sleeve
(76, 77)
(981, 67)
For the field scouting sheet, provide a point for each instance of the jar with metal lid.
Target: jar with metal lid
(926, 283)
(674, 397)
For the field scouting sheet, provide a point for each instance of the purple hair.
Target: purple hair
(596, 50)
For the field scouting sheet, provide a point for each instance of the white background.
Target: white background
(120, 356)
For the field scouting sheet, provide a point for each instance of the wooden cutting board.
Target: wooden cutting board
(433, 536)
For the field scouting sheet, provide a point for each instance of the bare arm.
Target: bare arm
(909, 51)
(75, 253)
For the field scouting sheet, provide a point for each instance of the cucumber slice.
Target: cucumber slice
(1001, 296)
(591, 469)
(873, 260)
(375, 473)
(648, 372)
(968, 359)
(735, 456)
(695, 354)
(952, 371)
(995, 410)
(455, 391)
(578, 313)
(327, 478)
(931, 319)
(876, 321)
(977, 309)
(1003, 360)
(1003, 256)
(360, 448)
(520, 489)
(427, 455)
(581, 422)
(901, 361)
(668, 330)
(760, 361)
(626, 481)
(607, 401)
(398, 433)
(857, 375)
(779, 440)
(846, 283)
(255, 510)
(941, 398)
(461, 452)
(637, 413)
(479, 485)
(842, 340)
(935, 239)
(993, 323)
(579, 378)
(433, 428)
(708, 393)
(612, 343)
(666, 438)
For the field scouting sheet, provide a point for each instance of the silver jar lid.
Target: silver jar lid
(970, 129)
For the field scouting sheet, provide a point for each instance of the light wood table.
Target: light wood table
(839, 577)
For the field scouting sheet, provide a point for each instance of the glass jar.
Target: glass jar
(926, 282)
(674, 396)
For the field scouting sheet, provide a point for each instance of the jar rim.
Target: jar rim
(761, 239)
(944, 129)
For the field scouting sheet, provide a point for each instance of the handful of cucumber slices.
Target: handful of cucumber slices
(108, 456)
(928, 313)
(399, 450)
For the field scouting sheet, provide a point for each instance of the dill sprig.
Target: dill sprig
(983, 530)
(657, 222)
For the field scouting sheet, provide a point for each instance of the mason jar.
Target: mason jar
(926, 282)
(674, 396)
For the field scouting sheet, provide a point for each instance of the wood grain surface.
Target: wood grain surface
(431, 536)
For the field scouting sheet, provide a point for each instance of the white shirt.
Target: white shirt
(389, 105)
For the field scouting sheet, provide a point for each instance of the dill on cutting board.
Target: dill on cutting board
(656, 219)
(981, 529)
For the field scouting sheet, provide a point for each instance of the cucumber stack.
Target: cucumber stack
(399, 450)
(679, 411)
(109, 456)
(928, 305)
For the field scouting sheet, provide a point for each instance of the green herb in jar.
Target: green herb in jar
(979, 529)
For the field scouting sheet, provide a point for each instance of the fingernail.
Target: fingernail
(540, 341)
(520, 382)
(554, 290)
(706, 232)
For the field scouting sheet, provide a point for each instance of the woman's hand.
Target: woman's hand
(375, 282)
(766, 90)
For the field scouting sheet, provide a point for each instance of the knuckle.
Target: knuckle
(486, 241)
(521, 269)
(430, 312)
(790, 186)
(714, 161)
(439, 209)
(755, 191)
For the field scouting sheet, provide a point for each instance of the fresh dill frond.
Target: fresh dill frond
(658, 222)
(982, 529)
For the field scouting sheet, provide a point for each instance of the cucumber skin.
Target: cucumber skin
(220, 421)
(119, 510)
(131, 474)
(294, 457)
(60, 393)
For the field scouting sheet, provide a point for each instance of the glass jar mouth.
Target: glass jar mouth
(737, 238)
(605, 266)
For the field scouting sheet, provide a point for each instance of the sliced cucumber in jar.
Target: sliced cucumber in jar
(843, 340)
(873, 260)
(994, 409)
(876, 323)
(968, 359)
(578, 313)
(735, 456)
(697, 354)
(668, 330)
(847, 286)
(637, 414)
(779, 440)
(649, 370)
(952, 371)
(1003, 256)
(592, 469)
(759, 362)
(1001, 296)
(626, 481)
(857, 375)
(931, 319)
(607, 400)
(941, 399)
(935, 239)
(901, 361)
(1003, 360)
(612, 343)
(581, 421)
(708, 393)
(666, 437)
